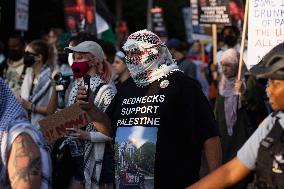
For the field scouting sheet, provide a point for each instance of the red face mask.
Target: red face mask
(80, 68)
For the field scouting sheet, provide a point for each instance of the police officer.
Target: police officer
(264, 150)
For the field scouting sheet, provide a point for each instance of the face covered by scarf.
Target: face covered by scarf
(148, 59)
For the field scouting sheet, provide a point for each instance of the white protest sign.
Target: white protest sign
(265, 28)
(22, 15)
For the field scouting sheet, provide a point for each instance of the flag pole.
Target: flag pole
(95, 22)
(214, 42)
(149, 15)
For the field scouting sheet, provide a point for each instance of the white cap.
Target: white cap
(89, 47)
(120, 54)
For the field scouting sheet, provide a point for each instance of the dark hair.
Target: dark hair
(233, 28)
(18, 37)
(2, 47)
(41, 47)
(177, 44)
(108, 48)
(83, 36)
(56, 31)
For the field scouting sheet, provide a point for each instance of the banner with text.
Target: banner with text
(22, 15)
(214, 11)
(54, 126)
(195, 30)
(265, 28)
(158, 23)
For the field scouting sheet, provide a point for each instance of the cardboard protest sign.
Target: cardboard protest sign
(265, 28)
(54, 126)
(214, 12)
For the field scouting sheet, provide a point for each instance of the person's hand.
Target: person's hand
(79, 133)
(55, 71)
(26, 104)
(239, 87)
(213, 67)
(81, 96)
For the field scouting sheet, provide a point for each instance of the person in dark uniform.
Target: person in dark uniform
(264, 150)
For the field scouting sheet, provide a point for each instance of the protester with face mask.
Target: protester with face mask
(89, 59)
(230, 37)
(162, 120)
(36, 88)
(14, 72)
(230, 109)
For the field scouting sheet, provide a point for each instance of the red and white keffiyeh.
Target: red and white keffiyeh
(152, 60)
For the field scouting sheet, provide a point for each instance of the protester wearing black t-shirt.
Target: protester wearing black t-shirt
(161, 120)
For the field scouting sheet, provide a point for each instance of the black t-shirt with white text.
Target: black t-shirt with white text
(160, 130)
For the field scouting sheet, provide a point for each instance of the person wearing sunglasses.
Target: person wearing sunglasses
(36, 87)
(93, 164)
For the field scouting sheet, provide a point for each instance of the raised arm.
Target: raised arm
(24, 163)
(98, 117)
(52, 105)
(225, 176)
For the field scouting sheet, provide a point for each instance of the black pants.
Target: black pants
(65, 167)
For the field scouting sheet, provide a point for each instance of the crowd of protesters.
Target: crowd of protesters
(191, 105)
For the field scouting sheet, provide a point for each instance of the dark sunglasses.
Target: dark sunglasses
(27, 53)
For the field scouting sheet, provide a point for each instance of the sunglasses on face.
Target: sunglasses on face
(27, 53)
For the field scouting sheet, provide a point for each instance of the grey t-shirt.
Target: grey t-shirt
(248, 153)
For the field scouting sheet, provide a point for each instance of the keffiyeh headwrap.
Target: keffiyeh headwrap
(154, 60)
(14, 121)
(226, 89)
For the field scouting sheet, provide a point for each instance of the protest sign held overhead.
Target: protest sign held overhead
(22, 15)
(265, 28)
(214, 12)
(195, 30)
(158, 24)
